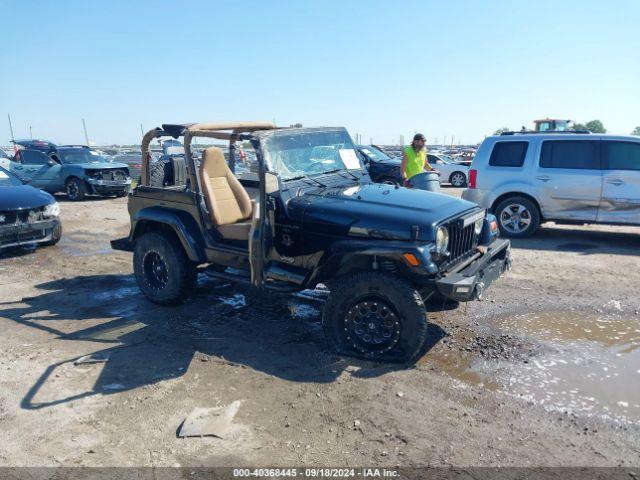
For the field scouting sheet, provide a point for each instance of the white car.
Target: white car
(450, 172)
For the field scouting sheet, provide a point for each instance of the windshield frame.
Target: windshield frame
(265, 138)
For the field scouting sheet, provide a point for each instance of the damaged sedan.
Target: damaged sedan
(76, 170)
(28, 216)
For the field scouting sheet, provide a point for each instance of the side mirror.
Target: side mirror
(51, 163)
(271, 184)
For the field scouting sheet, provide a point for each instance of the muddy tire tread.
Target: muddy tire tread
(406, 299)
(186, 275)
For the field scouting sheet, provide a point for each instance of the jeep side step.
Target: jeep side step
(243, 277)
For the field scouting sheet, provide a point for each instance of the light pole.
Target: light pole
(10, 127)
(86, 135)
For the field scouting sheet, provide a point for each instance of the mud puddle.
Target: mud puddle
(591, 368)
(585, 363)
(464, 367)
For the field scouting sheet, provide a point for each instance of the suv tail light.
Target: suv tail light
(473, 178)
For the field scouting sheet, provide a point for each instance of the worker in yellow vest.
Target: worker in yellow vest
(414, 161)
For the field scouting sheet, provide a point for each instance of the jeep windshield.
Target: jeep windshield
(302, 153)
(79, 155)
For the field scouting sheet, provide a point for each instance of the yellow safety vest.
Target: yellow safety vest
(416, 161)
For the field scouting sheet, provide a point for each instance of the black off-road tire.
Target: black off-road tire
(533, 215)
(75, 189)
(180, 276)
(160, 174)
(55, 238)
(404, 301)
(123, 193)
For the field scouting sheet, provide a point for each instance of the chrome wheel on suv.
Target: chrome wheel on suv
(517, 217)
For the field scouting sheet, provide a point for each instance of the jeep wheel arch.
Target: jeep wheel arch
(181, 224)
(351, 257)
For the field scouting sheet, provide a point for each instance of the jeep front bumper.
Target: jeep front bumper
(474, 279)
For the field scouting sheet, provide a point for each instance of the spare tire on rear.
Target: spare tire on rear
(161, 173)
(169, 171)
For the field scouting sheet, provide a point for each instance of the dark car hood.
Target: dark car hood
(378, 211)
(23, 197)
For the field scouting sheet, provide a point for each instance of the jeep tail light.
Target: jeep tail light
(473, 178)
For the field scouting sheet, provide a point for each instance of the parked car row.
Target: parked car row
(74, 169)
(526, 179)
(39, 168)
(385, 169)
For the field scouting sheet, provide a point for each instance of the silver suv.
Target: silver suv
(526, 179)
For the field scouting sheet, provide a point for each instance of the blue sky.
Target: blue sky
(382, 69)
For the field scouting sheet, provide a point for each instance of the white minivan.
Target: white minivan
(565, 177)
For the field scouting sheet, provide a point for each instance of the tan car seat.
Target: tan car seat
(228, 202)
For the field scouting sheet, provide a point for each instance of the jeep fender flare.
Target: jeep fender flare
(177, 221)
(335, 259)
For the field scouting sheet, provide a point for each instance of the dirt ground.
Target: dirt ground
(544, 371)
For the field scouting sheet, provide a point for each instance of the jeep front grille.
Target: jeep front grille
(462, 242)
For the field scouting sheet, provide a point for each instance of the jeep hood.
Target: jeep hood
(23, 197)
(378, 211)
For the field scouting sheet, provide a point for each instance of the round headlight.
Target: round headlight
(442, 240)
(478, 225)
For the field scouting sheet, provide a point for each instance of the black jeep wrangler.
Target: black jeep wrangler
(308, 213)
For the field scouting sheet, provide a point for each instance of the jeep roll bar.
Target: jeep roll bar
(223, 131)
